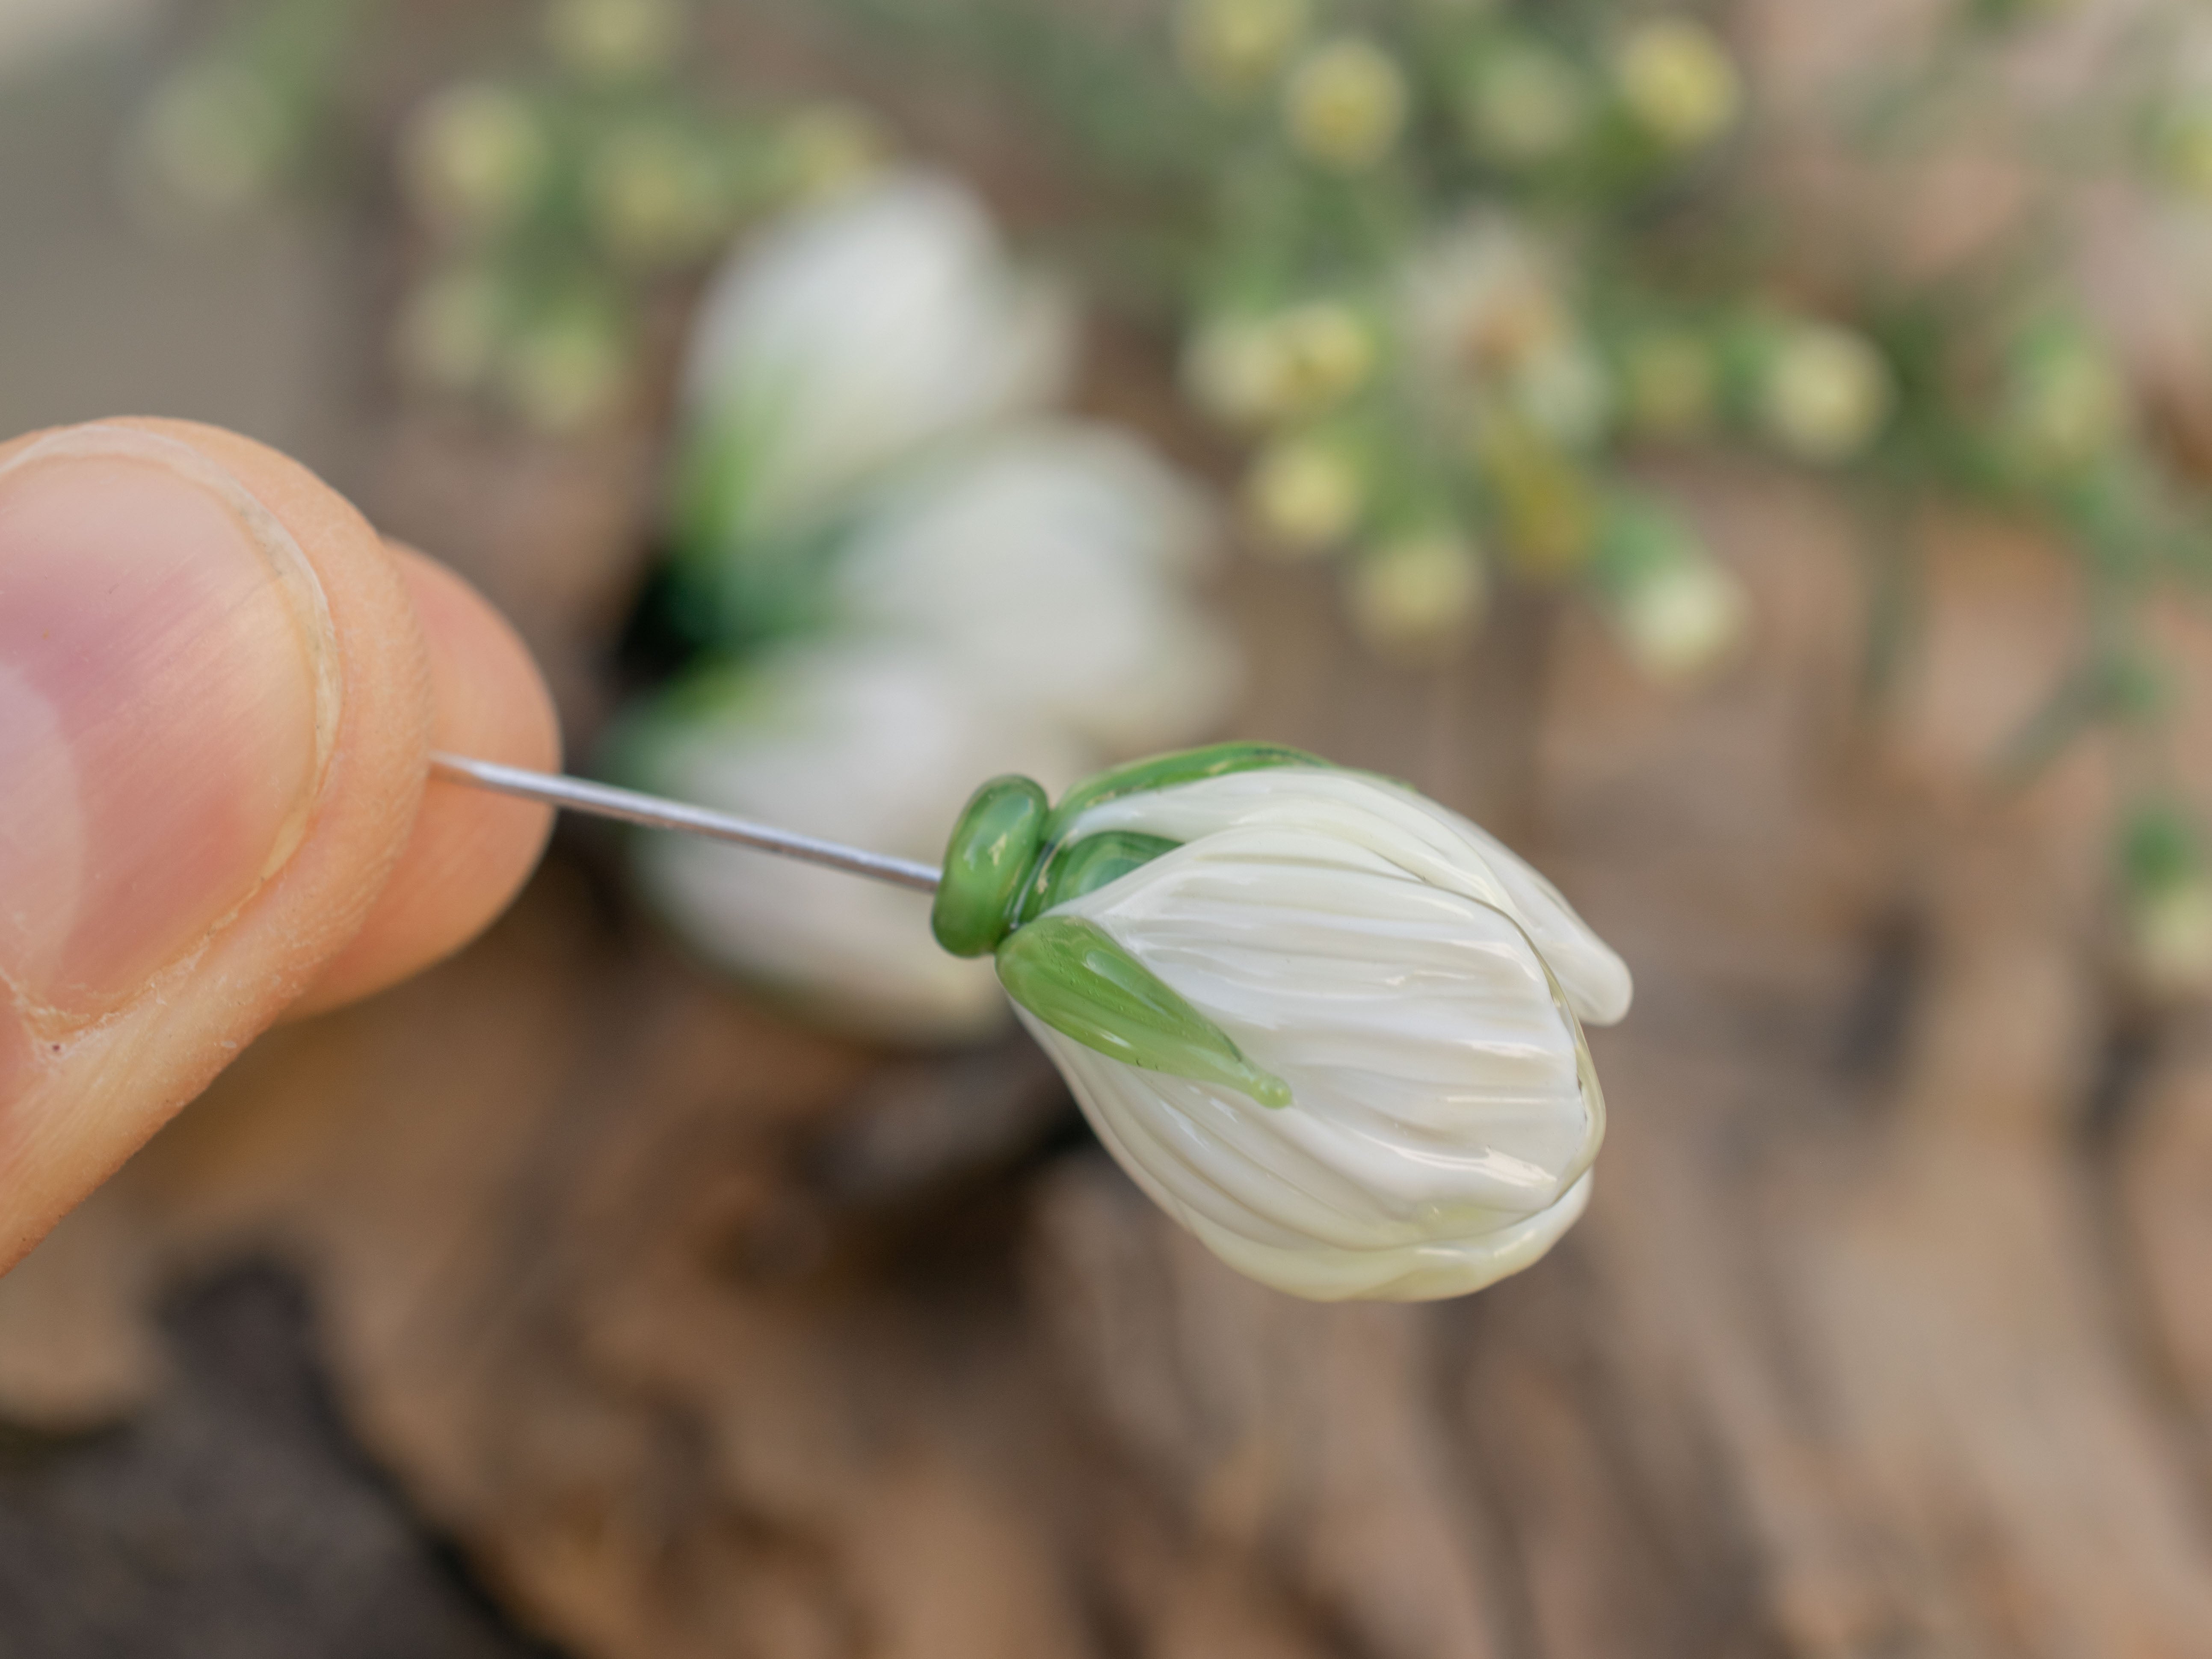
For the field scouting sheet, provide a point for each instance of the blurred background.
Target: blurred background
(1753, 457)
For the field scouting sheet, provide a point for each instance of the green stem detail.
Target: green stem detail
(988, 859)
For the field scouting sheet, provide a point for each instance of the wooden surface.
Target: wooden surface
(698, 1332)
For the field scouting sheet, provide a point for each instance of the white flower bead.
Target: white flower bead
(1418, 986)
(857, 334)
(1061, 558)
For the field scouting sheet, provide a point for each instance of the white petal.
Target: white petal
(851, 336)
(1443, 1111)
(1169, 1154)
(1416, 1273)
(1056, 558)
(1425, 841)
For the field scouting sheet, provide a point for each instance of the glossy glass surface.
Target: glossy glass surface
(1075, 977)
(986, 864)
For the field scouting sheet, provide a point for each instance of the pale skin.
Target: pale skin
(375, 873)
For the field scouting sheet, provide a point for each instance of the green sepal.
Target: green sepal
(1183, 766)
(986, 864)
(1138, 777)
(1086, 866)
(1073, 976)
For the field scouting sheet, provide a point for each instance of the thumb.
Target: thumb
(216, 704)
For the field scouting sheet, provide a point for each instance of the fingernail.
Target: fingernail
(169, 696)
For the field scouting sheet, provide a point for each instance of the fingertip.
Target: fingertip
(471, 851)
(215, 807)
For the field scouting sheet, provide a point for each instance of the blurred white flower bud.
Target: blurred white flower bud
(1345, 104)
(1054, 565)
(1524, 103)
(1305, 494)
(1678, 81)
(989, 593)
(865, 743)
(854, 336)
(1230, 48)
(1826, 392)
(473, 158)
(1416, 598)
(614, 40)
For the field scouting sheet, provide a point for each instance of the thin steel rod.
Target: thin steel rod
(578, 796)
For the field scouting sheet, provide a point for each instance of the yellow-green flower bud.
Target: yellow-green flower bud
(1525, 103)
(1544, 505)
(567, 370)
(1345, 104)
(2170, 937)
(214, 138)
(2168, 898)
(1230, 48)
(473, 158)
(653, 197)
(1233, 369)
(2064, 403)
(614, 40)
(1826, 392)
(1676, 611)
(2183, 149)
(1304, 494)
(1418, 598)
(828, 150)
(1259, 371)
(1330, 352)
(1683, 619)
(446, 338)
(1679, 81)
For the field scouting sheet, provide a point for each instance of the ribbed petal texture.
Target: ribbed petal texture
(1416, 985)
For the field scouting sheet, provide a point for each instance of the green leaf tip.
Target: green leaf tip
(1073, 975)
